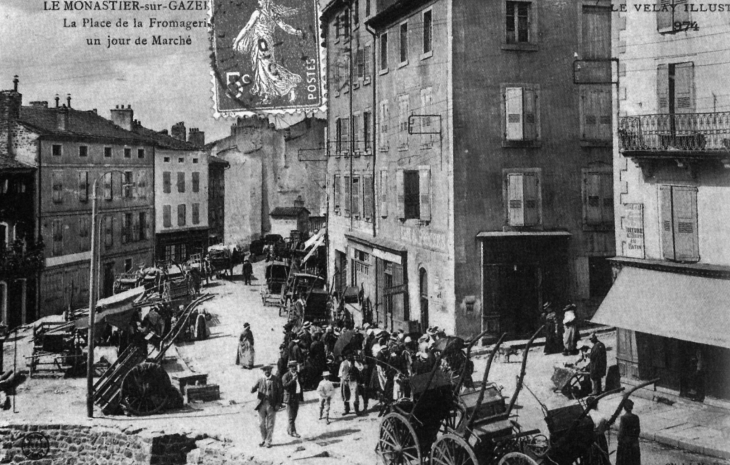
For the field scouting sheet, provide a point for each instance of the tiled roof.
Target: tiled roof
(287, 211)
(10, 164)
(164, 141)
(80, 124)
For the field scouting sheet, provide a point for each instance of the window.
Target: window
(366, 125)
(167, 216)
(108, 186)
(169, 253)
(356, 13)
(367, 198)
(108, 231)
(356, 196)
(383, 193)
(127, 153)
(126, 227)
(181, 253)
(142, 224)
(596, 33)
(676, 89)
(57, 150)
(356, 132)
(595, 107)
(384, 52)
(57, 226)
(336, 193)
(678, 210)
(403, 114)
(523, 199)
(196, 181)
(426, 101)
(84, 227)
(128, 184)
(521, 110)
(360, 63)
(424, 192)
(670, 12)
(404, 43)
(384, 116)
(83, 186)
(348, 197)
(196, 213)
(427, 32)
(180, 181)
(83, 151)
(166, 188)
(598, 199)
(195, 161)
(181, 160)
(57, 181)
(166, 159)
(140, 153)
(107, 152)
(518, 22)
(343, 135)
(408, 202)
(127, 264)
(181, 214)
(142, 184)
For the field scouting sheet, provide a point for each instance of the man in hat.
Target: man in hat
(571, 334)
(293, 394)
(270, 396)
(306, 337)
(628, 451)
(330, 339)
(348, 383)
(247, 270)
(597, 366)
(325, 390)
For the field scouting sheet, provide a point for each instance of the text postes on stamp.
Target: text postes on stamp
(266, 57)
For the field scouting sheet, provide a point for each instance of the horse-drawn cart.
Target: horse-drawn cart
(276, 275)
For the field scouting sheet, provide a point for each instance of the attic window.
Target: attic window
(181, 160)
(167, 159)
(107, 152)
(195, 160)
(56, 150)
(83, 151)
(140, 153)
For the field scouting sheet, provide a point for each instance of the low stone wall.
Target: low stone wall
(209, 451)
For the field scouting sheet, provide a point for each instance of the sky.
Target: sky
(163, 84)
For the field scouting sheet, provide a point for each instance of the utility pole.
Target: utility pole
(92, 310)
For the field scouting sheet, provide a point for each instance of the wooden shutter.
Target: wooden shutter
(125, 227)
(515, 200)
(604, 129)
(400, 195)
(662, 88)
(513, 113)
(667, 227)
(684, 101)
(367, 197)
(180, 181)
(166, 182)
(108, 186)
(83, 186)
(590, 107)
(531, 196)
(529, 114)
(348, 186)
(664, 15)
(593, 198)
(360, 63)
(596, 34)
(336, 193)
(424, 190)
(167, 216)
(356, 196)
(607, 198)
(367, 62)
(384, 194)
(684, 207)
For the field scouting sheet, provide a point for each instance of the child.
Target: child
(326, 391)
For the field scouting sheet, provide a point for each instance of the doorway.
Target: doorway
(423, 286)
(108, 285)
(513, 291)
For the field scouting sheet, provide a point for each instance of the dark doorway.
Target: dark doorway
(108, 285)
(513, 290)
(423, 280)
(340, 272)
(600, 277)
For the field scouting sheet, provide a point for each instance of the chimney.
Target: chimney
(39, 104)
(57, 99)
(165, 132)
(123, 117)
(196, 137)
(15, 83)
(62, 118)
(178, 131)
(10, 102)
(68, 100)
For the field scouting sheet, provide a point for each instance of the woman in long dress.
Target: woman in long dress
(246, 352)
(257, 40)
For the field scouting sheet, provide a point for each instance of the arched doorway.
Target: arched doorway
(423, 286)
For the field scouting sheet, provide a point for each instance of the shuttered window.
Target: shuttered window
(367, 124)
(384, 52)
(108, 231)
(368, 62)
(181, 214)
(127, 184)
(424, 192)
(196, 181)
(196, 213)
(336, 193)
(596, 33)
(411, 196)
(367, 198)
(678, 206)
(523, 199)
(400, 194)
(598, 199)
(360, 63)
(676, 88)
(356, 196)
(521, 112)
(142, 184)
(670, 12)
(166, 182)
(180, 181)
(348, 186)
(126, 227)
(596, 113)
(57, 180)
(356, 132)
(57, 232)
(404, 43)
(83, 186)
(167, 216)
(384, 194)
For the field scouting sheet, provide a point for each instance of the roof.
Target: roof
(501, 234)
(395, 12)
(11, 164)
(375, 241)
(84, 124)
(217, 160)
(330, 8)
(673, 305)
(164, 141)
(288, 211)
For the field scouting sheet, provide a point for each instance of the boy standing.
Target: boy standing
(326, 391)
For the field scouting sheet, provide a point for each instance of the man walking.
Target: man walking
(292, 396)
(598, 364)
(348, 383)
(247, 270)
(270, 395)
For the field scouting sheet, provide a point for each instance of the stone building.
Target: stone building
(671, 163)
(216, 198)
(489, 189)
(269, 168)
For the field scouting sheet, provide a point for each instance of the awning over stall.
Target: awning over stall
(679, 306)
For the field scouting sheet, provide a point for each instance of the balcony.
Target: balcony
(686, 137)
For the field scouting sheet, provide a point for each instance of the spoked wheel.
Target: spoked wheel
(452, 450)
(145, 389)
(398, 443)
(538, 445)
(574, 386)
(516, 458)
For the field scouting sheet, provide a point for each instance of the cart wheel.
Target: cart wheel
(574, 385)
(538, 445)
(452, 450)
(145, 389)
(398, 443)
(516, 458)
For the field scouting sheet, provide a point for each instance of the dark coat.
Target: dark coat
(628, 451)
(318, 356)
(247, 269)
(246, 335)
(598, 360)
(289, 383)
(295, 353)
(274, 395)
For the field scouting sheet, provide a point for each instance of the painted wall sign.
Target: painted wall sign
(423, 238)
(266, 57)
(633, 226)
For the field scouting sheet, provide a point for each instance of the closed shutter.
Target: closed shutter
(400, 195)
(531, 195)
(684, 101)
(126, 218)
(345, 135)
(515, 200)
(367, 62)
(356, 131)
(136, 234)
(108, 186)
(662, 88)
(181, 182)
(593, 198)
(196, 182)
(367, 197)
(167, 216)
(166, 182)
(529, 114)
(684, 206)
(384, 194)
(336, 193)
(513, 113)
(356, 196)
(424, 190)
(596, 38)
(83, 186)
(604, 129)
(360, 63)
(142, 184)
(589, 99)
(667, 227)
(348, 187)
(607, 198)
(664, 15)
(181, 215)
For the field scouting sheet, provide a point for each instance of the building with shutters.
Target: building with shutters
(71, 150)
(671, 163)
(492, 185)
(181, 193)
(216, 198)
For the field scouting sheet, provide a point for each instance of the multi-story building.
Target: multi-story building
(491, 168)
(73, 151)
(181, 194)
(216, 198)
(671, 161)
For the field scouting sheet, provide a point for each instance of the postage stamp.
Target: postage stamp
(266, 57)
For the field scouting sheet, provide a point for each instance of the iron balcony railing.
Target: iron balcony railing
(689, 132)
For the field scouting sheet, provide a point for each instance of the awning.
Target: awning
(313, 239)
(314, 248)
(502, 234)
(120, 299)
(679, 306)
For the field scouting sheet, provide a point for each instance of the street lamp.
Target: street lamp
(92, 303)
